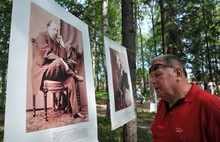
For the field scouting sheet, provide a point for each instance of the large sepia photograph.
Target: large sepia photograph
(56, 73)
(50, 63)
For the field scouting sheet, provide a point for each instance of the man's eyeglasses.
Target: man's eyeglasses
(157, 66)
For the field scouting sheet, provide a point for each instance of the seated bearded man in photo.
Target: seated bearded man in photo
(49, 64)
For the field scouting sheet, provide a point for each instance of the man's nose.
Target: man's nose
(153, 80)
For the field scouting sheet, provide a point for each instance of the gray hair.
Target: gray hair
(170, 60)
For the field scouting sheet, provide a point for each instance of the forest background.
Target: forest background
(189, 29)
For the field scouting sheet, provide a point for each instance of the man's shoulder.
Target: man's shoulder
(45, 34)
(209, 99)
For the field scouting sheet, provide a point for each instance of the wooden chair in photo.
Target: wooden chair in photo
(51, 87)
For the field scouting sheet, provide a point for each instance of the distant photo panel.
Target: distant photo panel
(119, 82)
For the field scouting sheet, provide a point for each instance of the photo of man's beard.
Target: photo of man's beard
(56, 40)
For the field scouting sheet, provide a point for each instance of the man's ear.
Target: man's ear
(179, 73)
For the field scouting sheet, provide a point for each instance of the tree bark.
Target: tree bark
(207, 43)
(129, 41)
(105, 33)
(93, 47)
(163, 28)
(153, 27)
(142, 59)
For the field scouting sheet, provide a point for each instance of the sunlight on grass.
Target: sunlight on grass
(100, 94)
(146, 115)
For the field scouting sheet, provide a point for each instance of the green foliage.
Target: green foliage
(139, 74)
(73, 7)
(192, 33)
(5, 20)
(114, 15)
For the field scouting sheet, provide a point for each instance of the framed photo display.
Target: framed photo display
(50, 90)
(119, 83)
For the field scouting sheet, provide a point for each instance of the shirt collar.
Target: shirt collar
(191, 95)
(180, 101)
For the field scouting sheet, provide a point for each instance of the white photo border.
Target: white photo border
(15, 113)
(121, 117)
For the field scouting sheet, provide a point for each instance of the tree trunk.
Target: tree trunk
(105, 33)
(153, 95)
(142, 60)
(207, 43)
(129, 41)
(93, 46)
(163, 28)
(153, 27)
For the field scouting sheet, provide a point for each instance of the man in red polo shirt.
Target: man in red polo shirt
(186, 113)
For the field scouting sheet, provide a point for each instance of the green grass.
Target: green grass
(146, 115)
(100, 94)
(105, 134)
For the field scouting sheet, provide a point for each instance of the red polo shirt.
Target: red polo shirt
(195, 119)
